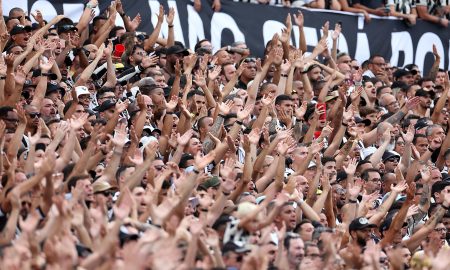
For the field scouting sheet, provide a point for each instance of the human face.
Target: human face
(425, 102)
(436, 175)
(315, 74)
(298, 87)
(106, 196)
(286, 106)
(107, 96)
(344, 59)
(87, 189)
(288, 216)
(370, 90)
(377, 66)
(48, 108)
(249, 72)
(85, 100)
(400, 146)
(229, 71)
(391, 163)
(223, 57)
(438, 132)
(138, 55)
(329, 168)
(302, 185)
(296, 251)
(440, 78)
(194, 146)
(16, 50)
(160, 81)
(200, 101)
(373, 183)
(33, 116)
(21, 39)
(428, 85)
(306, 231)
(238, 105)
(421, 145)
(157, 96)
(139, 198)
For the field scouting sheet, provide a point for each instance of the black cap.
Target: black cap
(439, 186)
(18, 29)
(108, 104)
(53, 87)
(400, 73)
(232, 247)
(175, 49)
(366, 122)
(360, 224)
(389, 154)
(66, 28)
(421, 123)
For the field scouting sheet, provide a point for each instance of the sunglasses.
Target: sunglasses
(34, 115)
(105, 193)
(393, 160)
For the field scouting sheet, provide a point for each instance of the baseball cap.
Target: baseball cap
(400, 73)
(389, 154)
(53, 87)
(175, 49)
(82, 90)
(106, 105)
(359, 120)
(211, 182)
(19, 29)
(421, 123)
(66, 28)
(360, 224)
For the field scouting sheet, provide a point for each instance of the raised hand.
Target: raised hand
(400, 187)
(37, 16)
(325, 29)
(122, 106)
(242, 115)
(170, 16)
(199, 79)
(337, 31)
(425, 173)
(254, 136)
(47, 66)
(409, 135)
(285, 66)
(412, 103)
(316, 147)
(120, 136)
(134, 24)
(225, 108)
(299, 19)
(78, 122)
(172, 104)
(350, 169)
(21, 114)
(184, 140)
(202, 161)
(227, 169)
(149, 61)
(213, 74)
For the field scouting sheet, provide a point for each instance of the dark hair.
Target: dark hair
(365, 174)
(74, 179)
(418, 136)
(326, 159)
(4, 110)
(279, 99)
(195, 92)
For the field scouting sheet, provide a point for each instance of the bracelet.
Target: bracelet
(170, 113)
(2, 77)
(221, 115)
(226, 193)
(45, 74)
(204, 210)
(431, 150)
(195, 171)
(352, 201)
(445, 207)
(344, 124)
(170, 26)
(284, 75)
(239, 122)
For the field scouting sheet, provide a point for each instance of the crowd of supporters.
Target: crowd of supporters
(130, 151)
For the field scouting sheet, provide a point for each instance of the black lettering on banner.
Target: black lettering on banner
(255, 24)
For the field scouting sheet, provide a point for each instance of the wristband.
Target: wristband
(2, 77)
(221, 115)
(358, 84)
(226, 193)
(284, 75)
(170, 26)
(45, 74)
(121, 14)
(344, 124)
(170, 113)
(431, 150)
(239, 122)
(445, 207)
(204, 210)
(352, 201)
(195, 171)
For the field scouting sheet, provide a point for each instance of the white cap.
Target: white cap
(82, 90)
(146, 140)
